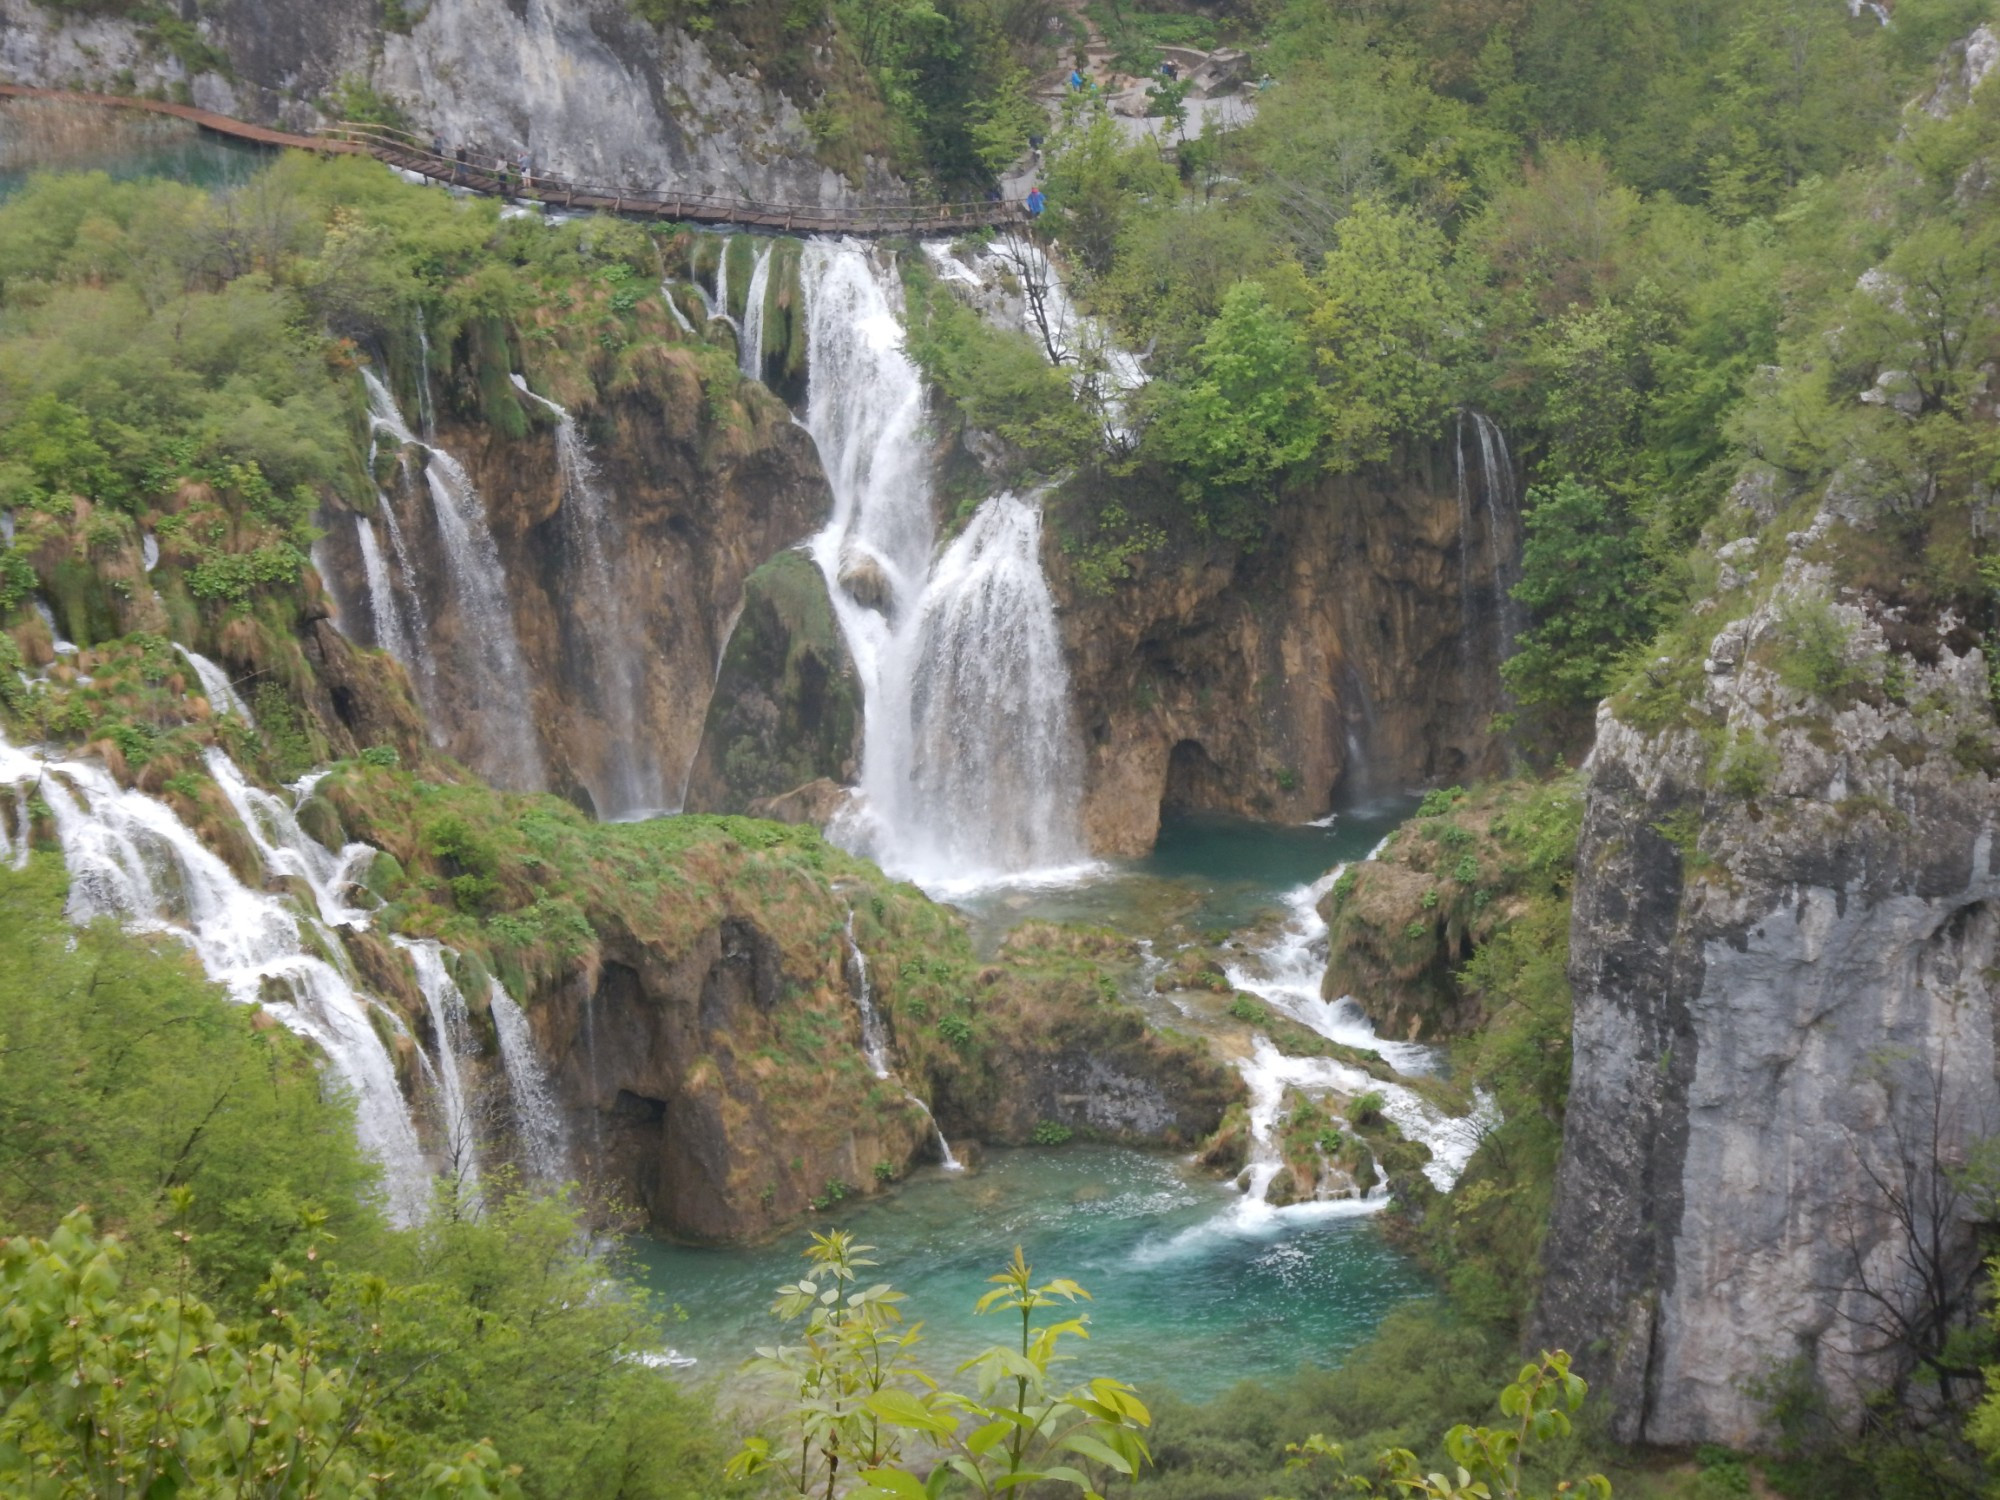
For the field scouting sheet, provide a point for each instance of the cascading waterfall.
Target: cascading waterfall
(970, 769)
(426, 413)
(451, 1030)
(215, 685)
(130, 857)
(633, 784)
(384, 610)
(875, 1046)
(538, 1122)
(489, 653)
(750, 350)
(1285, 974)
(408, 608)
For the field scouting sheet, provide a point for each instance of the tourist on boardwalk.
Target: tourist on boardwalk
(1036, 203)
(1075, 81)
(458, 164)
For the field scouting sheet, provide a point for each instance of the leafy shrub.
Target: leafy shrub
(1052, 1133)
(1813, 643)
(1246, 1009)
(955, 1029)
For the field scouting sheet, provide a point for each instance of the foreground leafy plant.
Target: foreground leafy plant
(1487, 1461)
(866, 1410)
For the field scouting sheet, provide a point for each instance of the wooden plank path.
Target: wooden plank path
(401, 150)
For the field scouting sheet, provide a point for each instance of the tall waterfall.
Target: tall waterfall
(488, 653)
(631, 782)
(538, 1123)
(451, 1031)
(750, 353)
(129, 857)
(385, 611)
(970, 769)
(1503, 521)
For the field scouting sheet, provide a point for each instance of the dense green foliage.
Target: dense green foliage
(198, 1130)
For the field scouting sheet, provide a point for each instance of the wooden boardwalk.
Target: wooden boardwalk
(404, 151)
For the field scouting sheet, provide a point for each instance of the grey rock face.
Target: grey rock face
(1771, 993)
(595, 95)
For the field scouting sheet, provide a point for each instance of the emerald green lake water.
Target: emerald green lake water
(126, 146)
(1187, 1296)
(1194, 1289)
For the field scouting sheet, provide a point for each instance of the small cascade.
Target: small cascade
(498, 690)
(215, 685)
(384, 611)
(750, 349)
(149, 551)
(451, 1030)
(60, 644)
(18, 846)
(875, 1046)
(970, 768)
(288, 849)
(131, 858)
(538, 1122)
(634, 784)
(674, 308)
(1285, 973)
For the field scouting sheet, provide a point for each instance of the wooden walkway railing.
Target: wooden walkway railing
(400, 149)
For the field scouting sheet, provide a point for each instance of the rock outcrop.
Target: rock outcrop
(1785, 930)
(1350, 655)
(787, 706)
(593, 92)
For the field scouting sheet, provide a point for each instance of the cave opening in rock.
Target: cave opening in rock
(1194, 781)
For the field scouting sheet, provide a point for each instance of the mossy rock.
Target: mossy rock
(787, 704)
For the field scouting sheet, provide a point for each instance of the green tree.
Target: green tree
(1387, 331)
(1586, 577)
(108, 1393)
(1247, 417)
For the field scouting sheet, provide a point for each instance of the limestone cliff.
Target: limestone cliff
(1350, 655)
(1784, 938)
(594, 93)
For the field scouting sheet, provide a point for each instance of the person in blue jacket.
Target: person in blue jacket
(1075, 81)
(1036, 203)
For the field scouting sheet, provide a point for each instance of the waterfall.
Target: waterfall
(617, 677)
(215, 685)
(490, 655)
(426, 413)
(130, 857)
(970, 767)
(719, 308)
(750, 348)
(1285, 972)
(538, 1124)
(875, 1046)
(383, 612)
(451, 1030)
(422, 660)
(674, 308)
(1503, 525)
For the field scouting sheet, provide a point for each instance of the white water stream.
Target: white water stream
(875, 1046)
(451, 1032)
(971, 771)
(131, 858)
(750, 352)
(1285, 973)
(488, 654)
(215, 685)
(538, 1122)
